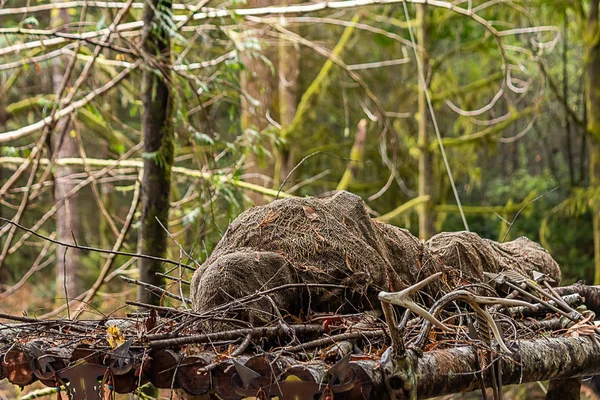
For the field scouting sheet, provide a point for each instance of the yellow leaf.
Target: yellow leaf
(73, 133)
(114, 337)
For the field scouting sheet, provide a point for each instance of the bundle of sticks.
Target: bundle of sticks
(464, 341)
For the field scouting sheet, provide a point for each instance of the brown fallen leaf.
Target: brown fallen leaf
(310, 213)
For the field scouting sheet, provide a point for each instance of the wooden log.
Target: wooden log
(55, 359)
(85, 352)
(268, 366)
(365, 378)
(548, 325)
(164, 365)
(437, 373)
(19, 367)
(444, 372)
(309, 372)
(591, 294)
(126, 383)
(191, 376)
(574, 300)
(222, 378)
(366, 383)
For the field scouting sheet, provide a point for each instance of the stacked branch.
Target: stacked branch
(341, 353)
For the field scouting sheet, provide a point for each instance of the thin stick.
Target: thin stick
(259, 332)
(335, 339)
(154, 289)
(173, 278)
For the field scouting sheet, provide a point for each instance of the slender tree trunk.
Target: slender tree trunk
(107, 197)
(256, 99)
(591, 41)
(594, 148)
(157, 126)
(289, 70)
(4, 273)
(583, 147)
(569, 143)
(64, 145)
(426, 229)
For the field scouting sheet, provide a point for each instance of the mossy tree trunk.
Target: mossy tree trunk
(591, 40)
(426, 223)
(157, 125)
(68, 216)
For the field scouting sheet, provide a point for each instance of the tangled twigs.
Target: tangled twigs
(87, 248)
(155, 289)
(260, 332)
(328, 340)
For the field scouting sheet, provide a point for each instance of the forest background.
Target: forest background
(148, 127)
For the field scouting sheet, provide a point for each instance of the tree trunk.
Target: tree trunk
(594, 147)
(426, 229)
(289, 70)
(591, 42)
(157, 126)
(256, 99)
(565, 73)
(64, 145)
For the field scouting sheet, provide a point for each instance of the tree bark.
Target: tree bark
(565, 73)
(157, 126)
(455, 370)
(64, 145)
(256, 100)
(426, 228)
(591, 41)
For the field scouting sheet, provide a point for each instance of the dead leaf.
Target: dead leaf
(150, 322)
(310, 213)
(114, 336)
(270, 217)
(348, 263)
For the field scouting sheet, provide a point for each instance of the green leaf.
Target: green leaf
(156, 156)
(8, 151)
